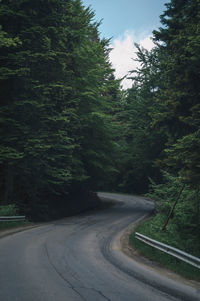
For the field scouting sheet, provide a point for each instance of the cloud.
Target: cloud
(124, 52)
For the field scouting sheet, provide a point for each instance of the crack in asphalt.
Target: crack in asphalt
(57, 271)
(74, 288)
(101, 294)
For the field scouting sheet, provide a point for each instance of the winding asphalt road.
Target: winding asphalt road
(79, 258)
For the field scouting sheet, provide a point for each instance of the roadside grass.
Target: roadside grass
(11, 210)
(152, 228)
(10, 225)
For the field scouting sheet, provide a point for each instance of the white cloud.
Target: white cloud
(124, 52)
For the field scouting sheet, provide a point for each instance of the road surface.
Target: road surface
(79, 258)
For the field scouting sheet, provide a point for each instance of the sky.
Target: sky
(126, 22)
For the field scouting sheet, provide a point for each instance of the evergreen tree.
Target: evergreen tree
(178, 44)
(142, 142)
(179, 40)
(52, 114)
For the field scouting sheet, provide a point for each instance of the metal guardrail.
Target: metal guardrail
(195, 261)
(12, 218)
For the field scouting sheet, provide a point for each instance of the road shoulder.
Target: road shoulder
(11, 231)
(134, 254)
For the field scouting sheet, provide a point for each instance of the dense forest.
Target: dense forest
(68, 128)
(163, 127)
(56, 88)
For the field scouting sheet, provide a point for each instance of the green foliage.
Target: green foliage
(186, 215)
(184, 154)
(140, 142)
(172, 122)
(151, 228)
(164, 193)
(7, 42)
(8, 210)
(178, 96)
(9, 225)
(54, 76)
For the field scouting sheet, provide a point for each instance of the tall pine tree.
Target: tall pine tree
(51, 78)
(179, 40)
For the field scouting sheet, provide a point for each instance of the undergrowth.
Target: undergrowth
(183, 229)
(152, 229)
(10, 210)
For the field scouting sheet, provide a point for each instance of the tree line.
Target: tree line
(54, 79)
(161, 125)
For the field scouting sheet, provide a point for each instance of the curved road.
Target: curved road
(79, 258)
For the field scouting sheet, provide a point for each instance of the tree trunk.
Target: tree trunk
(172, 210)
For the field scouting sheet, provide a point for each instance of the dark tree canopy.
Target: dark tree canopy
(54, 70)
(180, 41)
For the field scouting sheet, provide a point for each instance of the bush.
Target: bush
(8, 210)
(183, 228)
